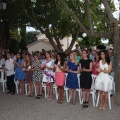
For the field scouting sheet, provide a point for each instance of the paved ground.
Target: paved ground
(19, 107)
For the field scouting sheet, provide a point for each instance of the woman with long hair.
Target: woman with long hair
(19, 73)
(96, 63)
(48, 65)
(103, 82)
(29, 73)
(60, 76)
(37, 75)
(72, 79)
(85, 77)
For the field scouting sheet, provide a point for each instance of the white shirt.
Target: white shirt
(2, 62)
(10, 66)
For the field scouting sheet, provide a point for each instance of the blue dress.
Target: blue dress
(72, 79)
(19, 73)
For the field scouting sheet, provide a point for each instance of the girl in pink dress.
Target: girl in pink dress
(96, 63)
(60, 76)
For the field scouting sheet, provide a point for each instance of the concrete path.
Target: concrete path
(17, 107)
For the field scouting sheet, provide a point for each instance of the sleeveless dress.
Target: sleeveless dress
(103, 81)
(72, 79)
(19, 73)
(59, 77)
(85, 77)
(37, 75)
(95, 67)
(48, 75)
(29, 75)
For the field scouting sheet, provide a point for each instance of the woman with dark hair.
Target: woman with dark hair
(19, 73)
(96, 63)
(29, 73)
(60, 76)
(103, 82)
(85, 77)
(48, 65)
(37, 75)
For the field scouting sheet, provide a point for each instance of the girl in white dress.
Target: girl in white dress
(103, 82)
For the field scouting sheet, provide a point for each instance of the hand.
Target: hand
(33, 69)
(5, 69)
(15, 62)
(23, 69)
(59, 66)
(99, 70)
(84, 70)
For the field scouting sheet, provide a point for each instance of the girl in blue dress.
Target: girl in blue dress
(72, 79)
(19, 73)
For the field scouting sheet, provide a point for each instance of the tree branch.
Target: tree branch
(75, 17)
(89, 17)
(112, 20)
(103, 34)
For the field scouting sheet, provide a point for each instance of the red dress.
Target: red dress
(95, 67)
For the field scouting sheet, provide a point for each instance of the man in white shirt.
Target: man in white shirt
(9, 69)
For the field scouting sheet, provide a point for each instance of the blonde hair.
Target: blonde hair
(75, 56)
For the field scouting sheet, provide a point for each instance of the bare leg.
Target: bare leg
(23, 86)
(51, 90)
(29, 89)
(84, 97)
(40, 86)
(87, 97)
(62, 93)
(105, 100)
(47, 89)
(70, 93)
(59, 94)
(101, 99)
(74, 95)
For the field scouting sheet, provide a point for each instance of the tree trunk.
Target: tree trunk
(116, 42)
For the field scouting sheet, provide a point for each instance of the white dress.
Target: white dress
(48, 75)
(103, 81)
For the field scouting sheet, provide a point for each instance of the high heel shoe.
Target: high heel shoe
(87, 104)
(84, 104)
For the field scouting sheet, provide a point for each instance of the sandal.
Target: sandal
(73, 102)
(38, 96)
(84, 105)
(104, 107)
(87, 104)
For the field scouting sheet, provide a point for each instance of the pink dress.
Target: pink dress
(59, 76)
(95, 67)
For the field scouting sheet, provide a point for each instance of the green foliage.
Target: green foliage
(101, 47)
(23, 41)
(31, 36)
(51, 18)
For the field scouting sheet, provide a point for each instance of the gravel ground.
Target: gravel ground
(21, 107)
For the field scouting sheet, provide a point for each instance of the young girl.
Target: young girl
(85, 77)
(37, 75)
(29, 73)
(72, 80)
(103, 82)
(96, 63)
(60, 76)
(19, 73)
(48, 65)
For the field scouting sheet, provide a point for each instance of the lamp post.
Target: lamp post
(3, 8)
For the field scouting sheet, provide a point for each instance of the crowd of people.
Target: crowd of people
(50, 67)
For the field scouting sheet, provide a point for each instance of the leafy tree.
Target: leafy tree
(111, 31)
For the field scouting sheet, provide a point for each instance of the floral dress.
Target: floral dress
(37, 75)
(48, 75)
